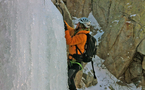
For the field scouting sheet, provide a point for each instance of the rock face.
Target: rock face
(141, 47)
(89, 80)
(123, 42)
(124, 29)
(85, 79)
(79, 8)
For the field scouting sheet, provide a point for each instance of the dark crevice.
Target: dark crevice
(139, 44)
(116, 38)
(83, 8)
(109, 12)
(65, 2)
(57, 4)
(92, 5)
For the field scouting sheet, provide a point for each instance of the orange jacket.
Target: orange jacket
(79, 39)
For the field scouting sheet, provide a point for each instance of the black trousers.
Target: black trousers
(72, 70)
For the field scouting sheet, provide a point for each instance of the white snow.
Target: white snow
(94, 22)
(128, 3)
(133, 15)
(117, 21)
(105, 78)
(128, 21)
(32, 46)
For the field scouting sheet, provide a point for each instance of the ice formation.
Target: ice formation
(32, 46)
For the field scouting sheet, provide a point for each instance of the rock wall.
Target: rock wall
(79, 8)
(123, 42)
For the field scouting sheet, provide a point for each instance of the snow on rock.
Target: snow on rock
(106, 81)
(96, 26)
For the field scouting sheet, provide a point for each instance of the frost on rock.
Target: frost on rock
(33, 47)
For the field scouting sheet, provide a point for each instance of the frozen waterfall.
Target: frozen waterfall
(32, 46)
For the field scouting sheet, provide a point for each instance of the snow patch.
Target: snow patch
(94, 23)
(106, 80)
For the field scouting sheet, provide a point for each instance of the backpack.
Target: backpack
(90, 51)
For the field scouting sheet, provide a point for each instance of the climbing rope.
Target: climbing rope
(74, 62)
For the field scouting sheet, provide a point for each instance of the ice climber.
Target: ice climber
(75, 37)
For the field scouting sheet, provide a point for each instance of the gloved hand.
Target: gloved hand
(65, 27)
